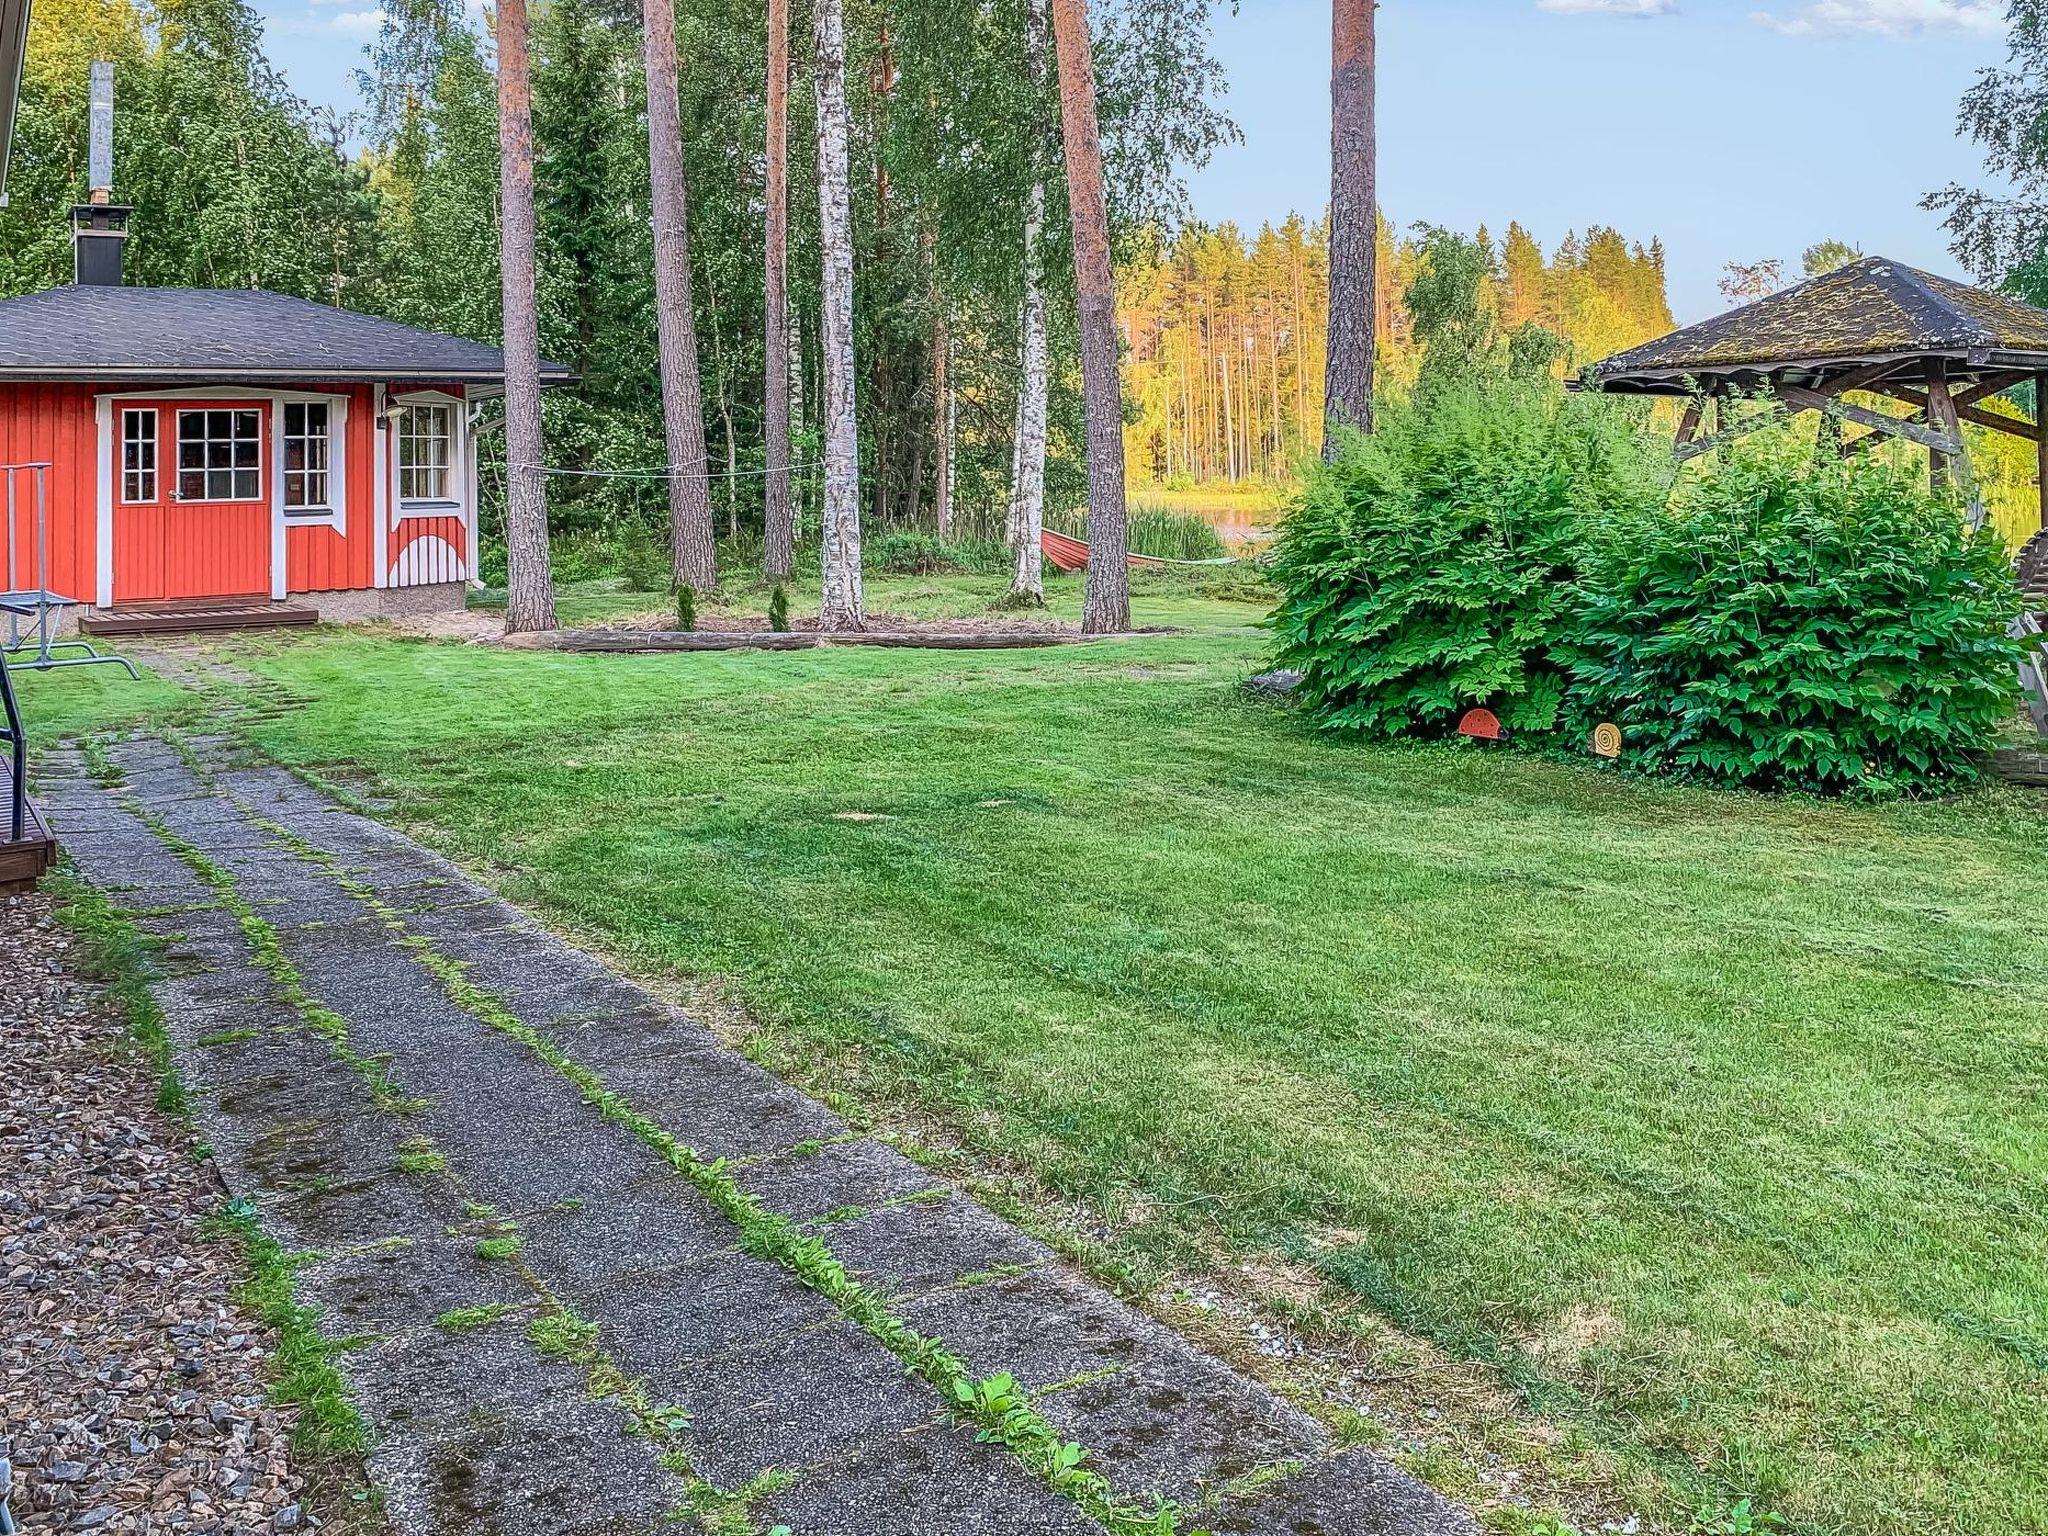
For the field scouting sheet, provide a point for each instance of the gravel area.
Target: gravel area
(131, 1385)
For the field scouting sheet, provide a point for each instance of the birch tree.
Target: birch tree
(1106, 608)
(1354, 223)
(692, 543)
(778, 508)
(841, 606)
(530, 595)
(1027, 480)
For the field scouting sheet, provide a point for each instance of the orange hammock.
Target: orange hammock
(1072, 555)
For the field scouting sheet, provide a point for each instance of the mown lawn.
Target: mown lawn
(1716, 1123)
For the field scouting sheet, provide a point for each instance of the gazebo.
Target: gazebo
(1878, 326)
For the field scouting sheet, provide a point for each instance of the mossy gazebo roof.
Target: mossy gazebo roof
(1870, 312)
(1876, 326)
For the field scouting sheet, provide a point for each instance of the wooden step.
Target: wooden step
(25, 862)
(193, 618)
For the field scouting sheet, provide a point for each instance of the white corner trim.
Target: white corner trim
(472, 566)
(277, 573)
(380, 490)
(103, 539)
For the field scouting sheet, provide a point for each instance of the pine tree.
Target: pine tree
(530, 597)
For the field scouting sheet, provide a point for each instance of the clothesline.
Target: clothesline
(652, 473)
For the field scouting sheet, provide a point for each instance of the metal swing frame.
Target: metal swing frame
(32, 642)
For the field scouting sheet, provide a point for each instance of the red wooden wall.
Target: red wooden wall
(318, 559)
(53, 423)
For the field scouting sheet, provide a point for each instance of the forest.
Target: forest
(1226, 332)
(393, 211)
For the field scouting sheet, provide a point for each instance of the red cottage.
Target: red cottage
(229, 447)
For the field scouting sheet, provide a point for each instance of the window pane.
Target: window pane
(217, 423)
(247, 424)
(294, 489)
(294, 419)
(246, 487)
(192, 485)
(191, 455)
(245, 453)
(191, 426)
(315, 449)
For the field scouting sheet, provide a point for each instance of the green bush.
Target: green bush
(1790, 625)
(1431, 567)
(920, 554)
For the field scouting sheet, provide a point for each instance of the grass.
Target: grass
(1713, 1124)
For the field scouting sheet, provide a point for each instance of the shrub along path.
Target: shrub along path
(589, 1268)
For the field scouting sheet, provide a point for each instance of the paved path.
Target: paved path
(595, 1267)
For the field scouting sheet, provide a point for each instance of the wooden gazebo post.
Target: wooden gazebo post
(2041, 444)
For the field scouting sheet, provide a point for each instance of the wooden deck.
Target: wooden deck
(22, 864)
(194, 617)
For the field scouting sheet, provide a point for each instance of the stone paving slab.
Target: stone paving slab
(656, 1223)
(809, 1399)
(907, 1249)
(1042, 1328)
(566, 1467)
(925, 1484)
(837, 1177)
(669, 1324)
(1179, 1423)
(335, 1217)
(478, 1431)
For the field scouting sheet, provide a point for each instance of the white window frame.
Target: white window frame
(156, 456)
(457, 502)
(232, 408)
(324, 508)
(455, 497)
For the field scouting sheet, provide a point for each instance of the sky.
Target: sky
(1733, 129)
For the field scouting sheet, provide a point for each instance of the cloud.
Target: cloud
(1609, 7)
(357, 23)
(1886, 18)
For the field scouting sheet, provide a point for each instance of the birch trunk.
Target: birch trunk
(942, 396)
(779, 509)
(1107, 606)
(841, 605)
(530, 584)
(1354, 224)
(691, 538)
(1027, 486)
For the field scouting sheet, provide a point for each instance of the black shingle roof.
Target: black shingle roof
(1869, 309)
(208, 333)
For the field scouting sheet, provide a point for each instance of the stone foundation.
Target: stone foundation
(356, 607)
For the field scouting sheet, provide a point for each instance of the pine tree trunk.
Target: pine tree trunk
(530, 595)
(1107, 605)
(1027, 484)
(1354, 224)
(779, 509)
(841, 605)
(691, 537)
